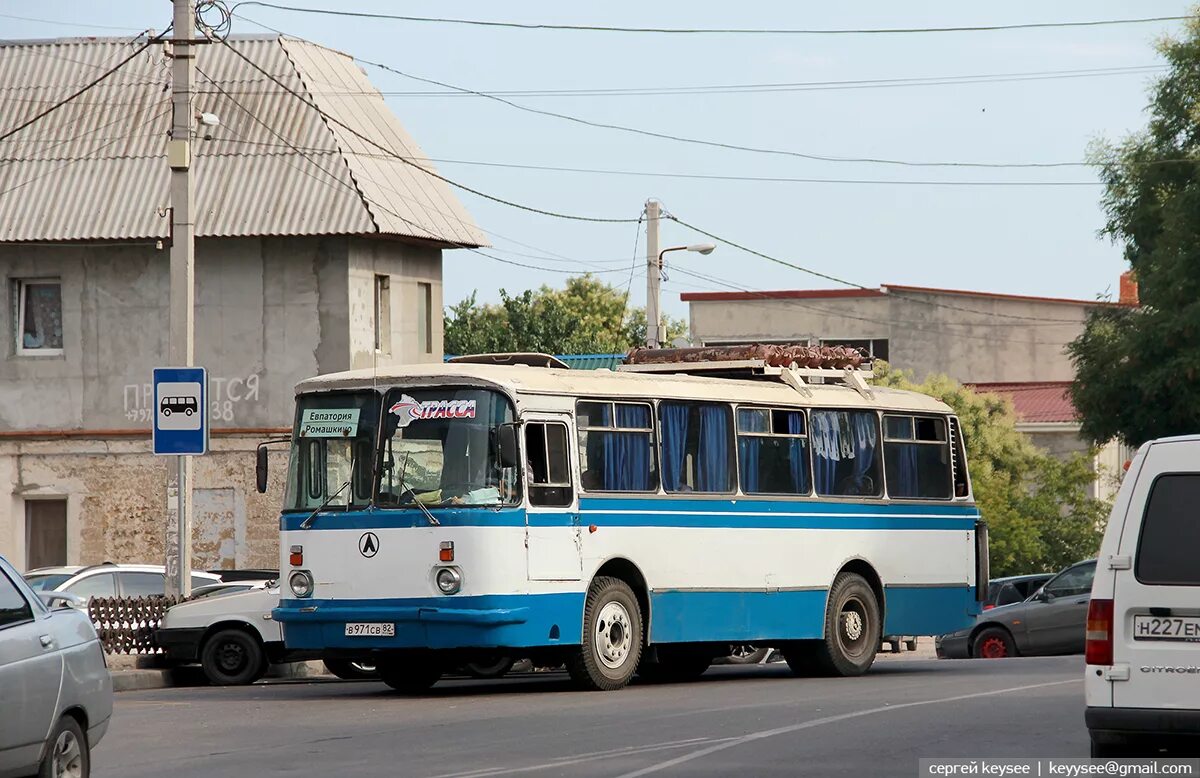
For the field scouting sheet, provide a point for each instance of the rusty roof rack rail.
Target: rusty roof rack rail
(798, 366)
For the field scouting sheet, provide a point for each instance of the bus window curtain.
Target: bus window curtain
(866, 437)
(627, 460)
(826, 440)
(749, 450)
(713, 458)
(797, 460)
(907, 484)
(674, 444)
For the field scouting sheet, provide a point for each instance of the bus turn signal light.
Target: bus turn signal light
(446, 552)
(1099, 646)
(296, 557)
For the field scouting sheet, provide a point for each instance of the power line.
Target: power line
(66, 24)
(844, 282)
(422, 169)
(712, 143)
(712, 31)
(37, 117)
(718, 177)
(481, 252)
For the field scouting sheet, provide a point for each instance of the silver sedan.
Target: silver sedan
(55, 689)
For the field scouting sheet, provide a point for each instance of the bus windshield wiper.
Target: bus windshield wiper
(415, 500)
(312, 516)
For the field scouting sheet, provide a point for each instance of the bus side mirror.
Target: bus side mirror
(506, 445)
(260, 468)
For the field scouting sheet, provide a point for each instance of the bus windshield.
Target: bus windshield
(333, 450)
(440, 448)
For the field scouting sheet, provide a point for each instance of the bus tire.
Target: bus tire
(675, 664)
(411, 676)
(612, 637)
(852, 628)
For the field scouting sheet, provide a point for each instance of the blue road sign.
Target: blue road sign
(180, 421)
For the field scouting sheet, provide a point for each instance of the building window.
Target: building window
(45, 533)
(425, 317)
(39, 316)
(383, 315)
(874, 348)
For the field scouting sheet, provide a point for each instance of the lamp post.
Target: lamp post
(654, 288)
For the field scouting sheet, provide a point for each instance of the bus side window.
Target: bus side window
(916, 451)
(845, 446)
(548, 464)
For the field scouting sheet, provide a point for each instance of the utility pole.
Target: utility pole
(183, 265)
(653, 275)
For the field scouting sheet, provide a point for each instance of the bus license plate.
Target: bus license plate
(1166, 628)
(369, 629)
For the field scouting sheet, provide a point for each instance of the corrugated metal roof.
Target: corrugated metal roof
(1036, 401)
(95, 169)
(593, 361)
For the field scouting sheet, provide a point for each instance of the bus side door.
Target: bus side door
(552, 531)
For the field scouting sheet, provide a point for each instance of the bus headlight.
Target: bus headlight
(449, 580)
(301, 583)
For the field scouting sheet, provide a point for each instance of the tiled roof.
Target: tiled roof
(96, 170)
(1036, 401)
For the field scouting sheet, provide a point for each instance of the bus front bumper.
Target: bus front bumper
(436, 622)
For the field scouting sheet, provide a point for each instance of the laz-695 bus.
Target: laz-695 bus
(621, 522)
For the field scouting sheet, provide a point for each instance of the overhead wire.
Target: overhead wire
(711, 30)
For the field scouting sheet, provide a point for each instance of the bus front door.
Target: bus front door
(552, 530)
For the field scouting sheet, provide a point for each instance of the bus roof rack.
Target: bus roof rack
(798, 366)
(529, 358)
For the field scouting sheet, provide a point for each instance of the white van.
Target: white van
(1143, 630)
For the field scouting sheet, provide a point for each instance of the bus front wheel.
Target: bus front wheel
(410, 676)
(852, 628)
(612, 637)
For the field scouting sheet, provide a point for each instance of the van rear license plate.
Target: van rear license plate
(1166, 628)
(370, 629)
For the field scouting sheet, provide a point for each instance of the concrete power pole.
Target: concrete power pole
(653, 275)
(182, 302)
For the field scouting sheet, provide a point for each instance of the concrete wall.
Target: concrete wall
(269, 312)
(959, 335)
(406, 266)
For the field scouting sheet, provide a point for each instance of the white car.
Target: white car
(108, 580)
(1143, 627)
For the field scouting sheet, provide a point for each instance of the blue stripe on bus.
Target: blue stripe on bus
(666, 512)
(528, 620)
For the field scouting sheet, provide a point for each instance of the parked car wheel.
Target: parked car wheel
(674, 664)
(746, 654)
(349, 670)
(411, 676)
(67, 754)
(233, 657)
(489, 667)
(993, 643)
(612, 637)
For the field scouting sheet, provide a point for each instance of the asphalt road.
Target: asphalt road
(733, 721)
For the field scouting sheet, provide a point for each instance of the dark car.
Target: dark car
(1013, 589)
(1051, 621)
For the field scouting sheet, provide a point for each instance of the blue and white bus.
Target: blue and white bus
(621, 521)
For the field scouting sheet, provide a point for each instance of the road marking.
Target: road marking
(723, 743)
(580, 758)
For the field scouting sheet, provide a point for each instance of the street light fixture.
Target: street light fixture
(654, 328)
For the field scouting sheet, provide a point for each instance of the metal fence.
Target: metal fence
(127, 625)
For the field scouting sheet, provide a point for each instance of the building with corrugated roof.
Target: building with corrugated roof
(319, 240)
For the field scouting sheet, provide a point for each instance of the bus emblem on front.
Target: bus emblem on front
(368, 544)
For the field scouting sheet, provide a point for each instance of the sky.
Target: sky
(1038, 240)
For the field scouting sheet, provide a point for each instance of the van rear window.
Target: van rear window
(1166, 554)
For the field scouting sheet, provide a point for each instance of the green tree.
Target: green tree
(1039, 514)
(587, 316)
(1137, 368)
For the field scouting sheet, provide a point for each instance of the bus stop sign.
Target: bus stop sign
(180, 421)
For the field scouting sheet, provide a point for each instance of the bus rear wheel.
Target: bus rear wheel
(852, 628)
(612, 637)
(411, 676)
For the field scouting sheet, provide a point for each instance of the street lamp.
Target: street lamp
(653, 281)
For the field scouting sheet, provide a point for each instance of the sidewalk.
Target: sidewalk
(136, 673)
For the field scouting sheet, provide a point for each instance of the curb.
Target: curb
(138, 680)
